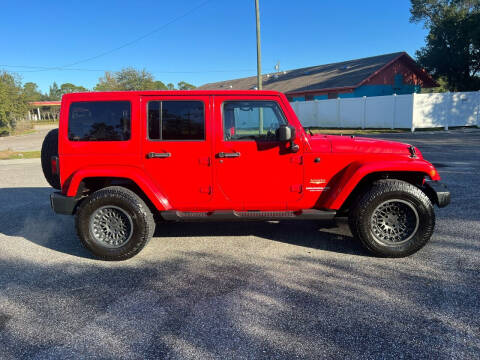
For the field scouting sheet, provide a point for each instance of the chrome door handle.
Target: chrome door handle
(153, 155)
(228, 155)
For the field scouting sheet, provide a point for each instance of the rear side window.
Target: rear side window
(99, 121)
(176, 120)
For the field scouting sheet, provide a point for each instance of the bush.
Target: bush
(4, 131)
(22, 125)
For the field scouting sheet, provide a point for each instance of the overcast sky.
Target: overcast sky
(194, 40)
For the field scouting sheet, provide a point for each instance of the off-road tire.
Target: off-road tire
(143, 224)
(49, 149)
(382, 192)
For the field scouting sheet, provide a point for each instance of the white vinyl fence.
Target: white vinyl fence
(410, 111)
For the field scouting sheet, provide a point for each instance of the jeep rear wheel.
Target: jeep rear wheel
(114, 223)
(49, 149)
(393, 219)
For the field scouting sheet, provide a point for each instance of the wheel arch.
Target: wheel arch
(359, 175)
(85, 181)
(412, 177)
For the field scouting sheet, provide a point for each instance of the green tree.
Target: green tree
(68, 88)
(129, 79)
(31, 92)
(182, 85)
(54, 92)
(13, 103)
(452, 49)
(158, 85)
(443, 87)
(170, 86)
(107, 83)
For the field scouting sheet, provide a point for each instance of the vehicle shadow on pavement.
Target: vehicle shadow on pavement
(26, 213)
(323, 235)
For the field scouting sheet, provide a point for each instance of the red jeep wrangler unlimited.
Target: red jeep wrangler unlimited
(125, 159)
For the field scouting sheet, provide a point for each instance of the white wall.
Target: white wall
(395, 111)
(404, 111)
(351, 112)
(446, 109)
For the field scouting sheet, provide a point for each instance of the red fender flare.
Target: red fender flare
(151, 190)
(359, 169)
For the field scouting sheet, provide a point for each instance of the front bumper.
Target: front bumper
(62, 204)
(439, 192)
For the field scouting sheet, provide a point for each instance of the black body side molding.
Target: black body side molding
(232, 215)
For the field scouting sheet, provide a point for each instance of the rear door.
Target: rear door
(177, 148)
(253, 170)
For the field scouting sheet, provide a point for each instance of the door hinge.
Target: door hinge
(297, 159)
(206, 190)
(296, 188)
(204, 161)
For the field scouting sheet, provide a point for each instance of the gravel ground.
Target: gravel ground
(235, 290)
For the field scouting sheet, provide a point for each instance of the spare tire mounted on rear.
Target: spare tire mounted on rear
(49, 149)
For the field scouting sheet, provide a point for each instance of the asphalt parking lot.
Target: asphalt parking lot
(234, 290)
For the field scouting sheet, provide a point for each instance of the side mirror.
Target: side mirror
(286, 133)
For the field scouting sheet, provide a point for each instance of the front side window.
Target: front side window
(176, 120)
(99, 121)
(252, 120)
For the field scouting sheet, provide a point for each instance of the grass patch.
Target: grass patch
(336, 131)
(23, 132)
(22, 129)
(443, 129)
(53, 122)
(10, 154)
(356, 131)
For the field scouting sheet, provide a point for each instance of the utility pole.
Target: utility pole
(259, 66)
(259, 51)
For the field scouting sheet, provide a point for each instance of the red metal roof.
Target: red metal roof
(46, 103)
(337, 76)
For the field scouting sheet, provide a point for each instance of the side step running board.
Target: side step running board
(232, 215)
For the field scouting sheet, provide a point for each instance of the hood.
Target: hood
(353, 144)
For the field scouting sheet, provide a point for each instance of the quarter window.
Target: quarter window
(176, 120)
(99, 121)
(252, 120)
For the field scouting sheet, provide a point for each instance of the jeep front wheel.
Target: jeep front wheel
(114, 223)
(393, 219)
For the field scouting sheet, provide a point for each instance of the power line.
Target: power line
(44, 68)
(110, 70)
(155, 30)
(142, 36)
(200, 72)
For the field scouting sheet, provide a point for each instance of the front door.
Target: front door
(177, 148)
(253, 170)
